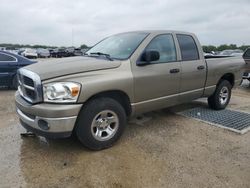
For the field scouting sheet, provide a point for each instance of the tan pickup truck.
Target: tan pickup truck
(122, 76)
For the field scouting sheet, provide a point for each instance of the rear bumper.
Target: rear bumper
(48, 120)
(246, 75)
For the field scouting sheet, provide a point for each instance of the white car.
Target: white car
(246, 76)
(236, 52)
(29, 53)
(43, 53)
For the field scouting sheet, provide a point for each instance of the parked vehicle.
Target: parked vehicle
(246, 76)
(122, 76)
(70, 51)
(9, 63)
(20, 51)
(43, 53)
(236, 52)
(59, 52)
(78, 52)
(246, 56)
(29, 53)
(226, 52)
(84, 50)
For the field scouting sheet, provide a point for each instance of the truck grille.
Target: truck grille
(29, 86)
(28, 81)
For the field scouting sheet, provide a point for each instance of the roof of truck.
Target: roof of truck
(159, 32)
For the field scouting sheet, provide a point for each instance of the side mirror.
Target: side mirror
(148, 56)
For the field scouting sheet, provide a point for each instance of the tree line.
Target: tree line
(222, 47)
(18, 46)
(206, 48)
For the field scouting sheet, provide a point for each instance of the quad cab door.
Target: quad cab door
(193, 68)
(156, 84)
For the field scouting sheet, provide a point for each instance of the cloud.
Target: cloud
(55, 22)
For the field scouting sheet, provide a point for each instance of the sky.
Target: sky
(67, 22)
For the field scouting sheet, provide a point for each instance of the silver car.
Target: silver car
(43, 53)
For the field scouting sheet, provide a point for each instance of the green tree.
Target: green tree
(244, 47)
(233, 46)
(209, 48)
(83, 46)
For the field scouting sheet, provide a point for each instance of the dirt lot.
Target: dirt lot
(167, 151)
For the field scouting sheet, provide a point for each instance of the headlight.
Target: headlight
(61, 92)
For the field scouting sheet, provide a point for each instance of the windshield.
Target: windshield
(119, 46)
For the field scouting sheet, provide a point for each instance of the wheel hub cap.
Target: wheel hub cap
(104, 125)
(224, 94)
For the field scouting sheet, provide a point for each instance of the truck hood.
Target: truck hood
(70, 65)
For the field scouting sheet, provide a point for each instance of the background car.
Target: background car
(29, 53)
(246, 76)
(20, 51)
(43, 53)
(226, 52)
(84, 50)
(78, 52)
(59, 52)
(70, 51)
(9, 64)
(236, 52)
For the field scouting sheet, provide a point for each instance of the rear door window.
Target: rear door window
(5, 57)
(189, 50)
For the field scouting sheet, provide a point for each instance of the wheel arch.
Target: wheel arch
(119, 96)
(229, 77)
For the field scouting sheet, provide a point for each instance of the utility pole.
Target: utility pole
(72, 38)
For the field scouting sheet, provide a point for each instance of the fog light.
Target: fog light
(43, 124)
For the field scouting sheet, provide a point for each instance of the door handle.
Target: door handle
(174, 71)
(201, 67)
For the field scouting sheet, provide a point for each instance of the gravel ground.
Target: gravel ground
(165, 150)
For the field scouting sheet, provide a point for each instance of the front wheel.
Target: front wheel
(221, 97)
(100, 123)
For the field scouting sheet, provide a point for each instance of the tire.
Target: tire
(100, 123)
(14, 82)
(221, 97)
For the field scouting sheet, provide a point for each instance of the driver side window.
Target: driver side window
(165, 45)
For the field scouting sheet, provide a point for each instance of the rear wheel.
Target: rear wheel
(221, 97)
(100, 123)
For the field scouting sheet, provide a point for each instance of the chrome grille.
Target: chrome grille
(29, 86)
(28, 81)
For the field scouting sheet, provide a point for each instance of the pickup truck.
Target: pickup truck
(122, 76)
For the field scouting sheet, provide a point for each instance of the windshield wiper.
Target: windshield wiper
(100, 53)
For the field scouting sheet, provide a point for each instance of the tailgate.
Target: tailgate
(246, 57)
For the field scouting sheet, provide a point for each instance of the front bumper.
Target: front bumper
(59, 118)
